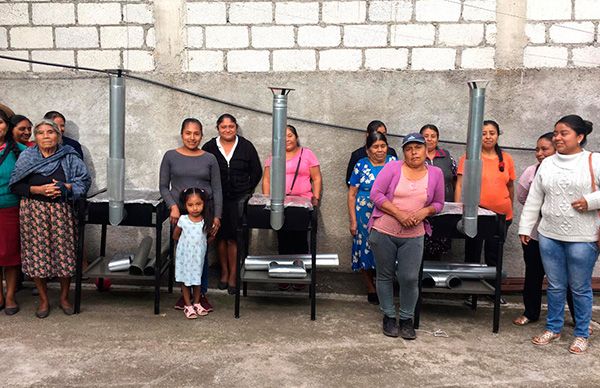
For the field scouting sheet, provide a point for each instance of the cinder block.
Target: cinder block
(478, 58)
(66, 57)
(545, 56)
(406, 35)
(251, 12)
(386, 59)
(13, 66)
(336, 12)
(292, 12)
(572, 32)
(138, 13)
(437, 11)
(204, 61)
(294, 60)
(138, 60)
(340, 59)
(587, 9)
(433, 59)
(461, 34)
(99, 14)
(226, 37)
(364, 35)
(248, 61)
(3, 38)
(151, 37)
(31, 37)
(206, 13)
(479, 10)
(53, 14)
(490, 34)
(390, 11)
(586, 56)
(123, 37)
(195, 37)
(14, 14)
(103, 59)
(317, 36)
(76, 37)
(549, 9)
(536, 32)
(273, 36)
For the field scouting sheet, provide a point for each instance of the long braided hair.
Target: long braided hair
(496, 147)
(11, 144)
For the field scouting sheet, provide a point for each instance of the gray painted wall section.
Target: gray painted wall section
(526, 103)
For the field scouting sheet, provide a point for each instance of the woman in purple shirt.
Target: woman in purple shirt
(405, 193)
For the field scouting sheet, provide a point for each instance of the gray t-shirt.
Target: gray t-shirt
(179, 172)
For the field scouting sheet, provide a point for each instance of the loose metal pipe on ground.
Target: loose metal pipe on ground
(116, 156)
(471, 186)
(277, 170)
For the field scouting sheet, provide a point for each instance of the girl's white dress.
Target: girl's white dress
(191, 250)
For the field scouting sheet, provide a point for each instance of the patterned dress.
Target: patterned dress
(191, 249)
(363, 176)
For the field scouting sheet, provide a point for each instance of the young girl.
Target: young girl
(191, 233)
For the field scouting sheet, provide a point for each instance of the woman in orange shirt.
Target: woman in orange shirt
(497, 190)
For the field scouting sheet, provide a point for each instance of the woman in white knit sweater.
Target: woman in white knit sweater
(568, 230)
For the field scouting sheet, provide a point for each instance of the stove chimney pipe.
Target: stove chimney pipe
(278, 156)
(116, 156)
(471, 187)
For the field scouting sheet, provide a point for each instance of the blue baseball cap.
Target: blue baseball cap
(414, 137)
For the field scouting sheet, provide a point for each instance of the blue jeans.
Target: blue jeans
(398, 258)
(569, 264)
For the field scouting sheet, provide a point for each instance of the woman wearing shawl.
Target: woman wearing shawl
(46, 177)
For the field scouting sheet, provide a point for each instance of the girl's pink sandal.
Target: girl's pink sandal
(200, 311)
(190, 312)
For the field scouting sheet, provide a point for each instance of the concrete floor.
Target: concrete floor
(117, 341)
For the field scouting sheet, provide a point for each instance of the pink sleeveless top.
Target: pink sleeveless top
(409, 196)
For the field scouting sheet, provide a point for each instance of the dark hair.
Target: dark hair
(51, 115)
(432, 127)
(547, 136)
(375, 136)
(206, 210)
(227, 116)
(190, 120)
(16, 119)
(579, 125)
(293, 131)
(374, 126)
(11, 144)
(496, 147)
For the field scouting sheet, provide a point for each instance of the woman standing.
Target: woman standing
(497, 190)
(240, 173)
(404, 194)
(189, 166)
(361, 152)
(439, 157)
(563, 190)
(22, 130)
(46, 177)
(303, 179)
(10, 249)
(360, 208)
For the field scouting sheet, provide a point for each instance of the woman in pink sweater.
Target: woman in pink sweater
(405, 193)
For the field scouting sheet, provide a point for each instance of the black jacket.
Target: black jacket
(242, 174)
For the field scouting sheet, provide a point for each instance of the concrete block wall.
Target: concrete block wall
(101, 34)
(562, 33)
(339, 35)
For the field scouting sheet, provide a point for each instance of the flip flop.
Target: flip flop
(42, 314)
(11, 310)
(67, 310)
